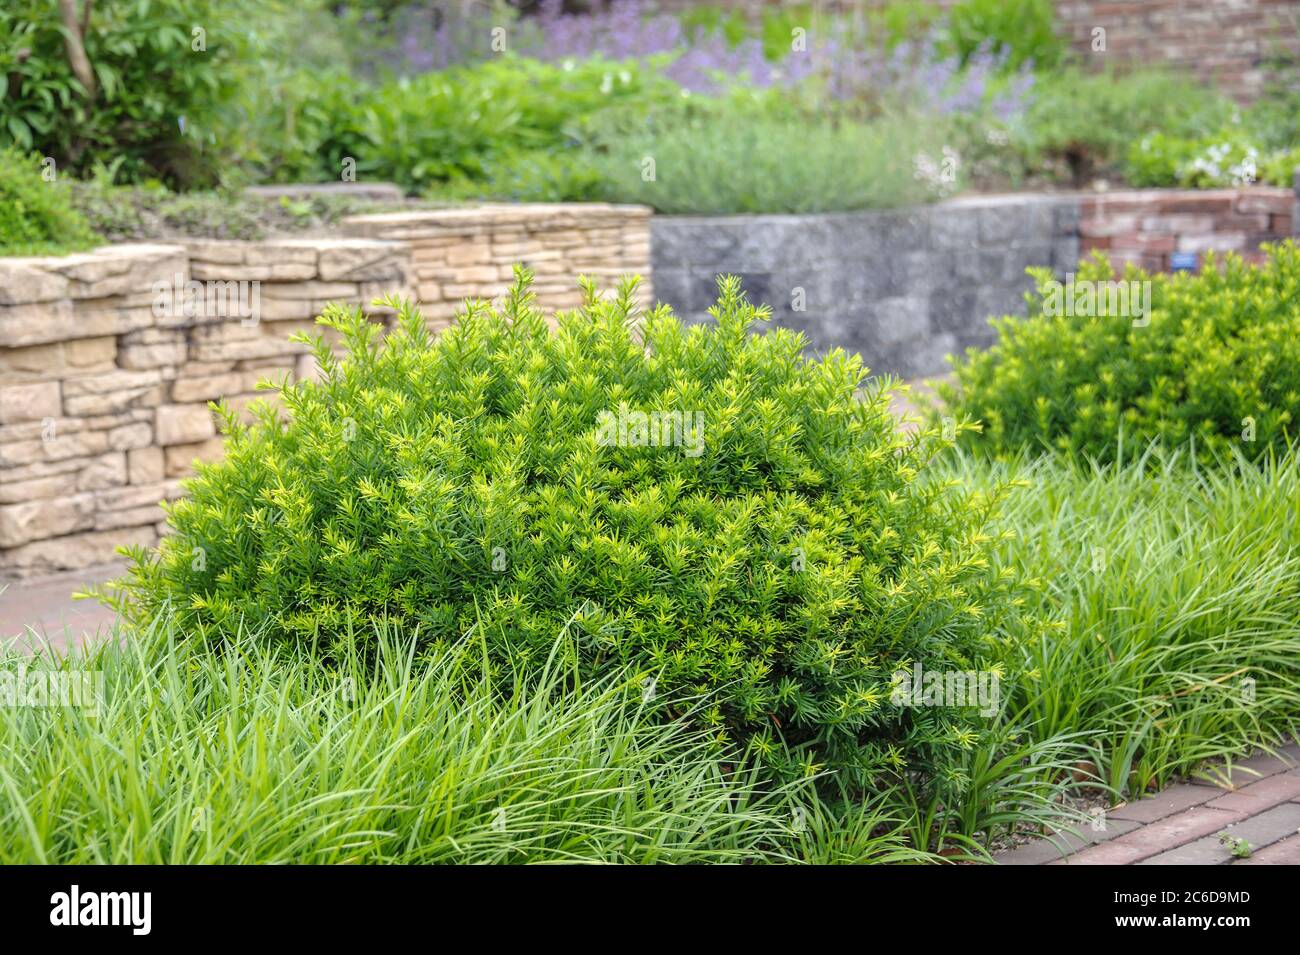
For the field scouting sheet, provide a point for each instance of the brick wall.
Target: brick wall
(1227, 43)
(1149, 226)
(105, 374)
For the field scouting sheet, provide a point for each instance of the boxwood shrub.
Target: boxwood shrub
(1213, 365)
(699, 503)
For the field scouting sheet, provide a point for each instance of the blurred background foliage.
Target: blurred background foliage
(791, 109)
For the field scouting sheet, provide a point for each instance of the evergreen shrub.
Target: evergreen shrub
(700, 503)
(1214, 362)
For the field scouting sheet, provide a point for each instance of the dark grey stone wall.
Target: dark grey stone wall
(1295, 206)
(902, 288)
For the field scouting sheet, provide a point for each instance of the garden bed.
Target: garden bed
(104, 402)
(470, 581)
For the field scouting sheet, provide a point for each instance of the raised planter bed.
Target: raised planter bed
(104, 389)
(905, 288)
(108, 359)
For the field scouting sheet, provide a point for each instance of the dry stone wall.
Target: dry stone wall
(107, 363)
(108, 359)
(471, 253)
(903, 288)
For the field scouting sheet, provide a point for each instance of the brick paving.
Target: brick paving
(1257, 799)
(41, 610)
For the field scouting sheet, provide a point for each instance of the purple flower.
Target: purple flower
(848, 68)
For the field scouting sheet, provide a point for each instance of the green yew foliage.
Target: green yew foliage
(1215, 364)
(458, 484)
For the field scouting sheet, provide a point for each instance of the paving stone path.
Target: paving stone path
(45, 605)
(1258, 801)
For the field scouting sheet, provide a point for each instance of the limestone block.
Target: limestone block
(148, 514)
(280, 309)
(272, 339)
(37, 520)
(116, 269)
(310, 290)
(55, 359)
(106, 471)
(179, 458)
(18, 473)
(207, 387)
(35, 324)
(129, 498)
(31, 402)
(60, 447)
(144, 465)
(217, 251)
(112, 391)
(469, 253)
(269, 261)
(152, 348)
(183, 424)
(356, 260)
(306, 369)
(56, 485)
(91, 353)
(200, 369)
(131, 436)
(478, 273)
(74, 551)
(51, 428)
(22, 283)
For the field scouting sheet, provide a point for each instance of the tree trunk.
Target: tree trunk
(73, 40)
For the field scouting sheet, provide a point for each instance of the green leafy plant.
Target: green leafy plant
(280, 757)
(1023, 31)
(156, 83)
(301, 130)
(1279, 168)
(734, 156)
(904, 21)
(1227, 159)
(459, 124)
(1081, 124)
(1274, 118)
(529, 176)
(36, 214)
(1211, 359)
(1240, 848)
(778, 542)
